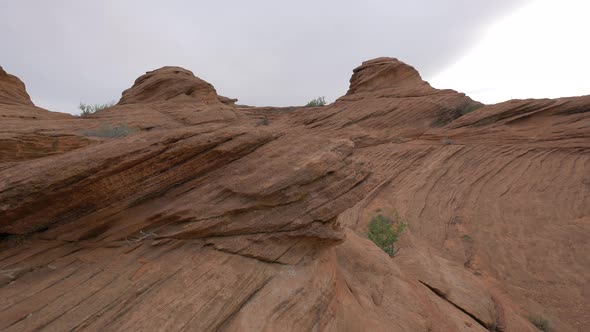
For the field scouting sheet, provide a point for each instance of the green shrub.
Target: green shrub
(12, 240)
(540, 322)
(468, 108)
(263, 122)
(384, 232)
(88, 109)
(108, 131)
(319, 101)
(447, 141)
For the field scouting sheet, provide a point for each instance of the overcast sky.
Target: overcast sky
(285, 53)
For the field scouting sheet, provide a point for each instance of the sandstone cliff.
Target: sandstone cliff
(213, 216)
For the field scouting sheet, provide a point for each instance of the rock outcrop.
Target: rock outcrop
(12, 90)
(388, 75)
(171, 84)
(211, 216)
(24, 127)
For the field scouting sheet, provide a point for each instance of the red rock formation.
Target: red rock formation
(23, 126)
(388, 75)
(12, 90)
(217, 217)
(171, 84)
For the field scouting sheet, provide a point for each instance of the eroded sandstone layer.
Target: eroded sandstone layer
(207, 215)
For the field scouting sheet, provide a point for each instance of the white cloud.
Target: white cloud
(538, 51)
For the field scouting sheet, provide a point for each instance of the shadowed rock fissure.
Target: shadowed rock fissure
(442, 295)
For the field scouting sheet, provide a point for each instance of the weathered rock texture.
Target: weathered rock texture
(171, 84)
(212, 216)
(12, 90)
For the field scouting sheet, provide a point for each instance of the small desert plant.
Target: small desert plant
(447, 141)
(384, 232)
(109, 131)
(319, 101)
(88, 109)
(142, 236)
(12, 240)
(466, 109)
(466, 238)
(263, 122)
(540, 322)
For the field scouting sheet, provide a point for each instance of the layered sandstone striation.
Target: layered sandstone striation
(12, 90)
(171, 84)
(213, 216)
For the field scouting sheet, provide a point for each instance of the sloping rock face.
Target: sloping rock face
(211, 216)
(12, 90)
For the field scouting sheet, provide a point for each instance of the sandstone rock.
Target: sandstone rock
(205, 219)
(171, 84)
(390, 75)
(12, 90)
